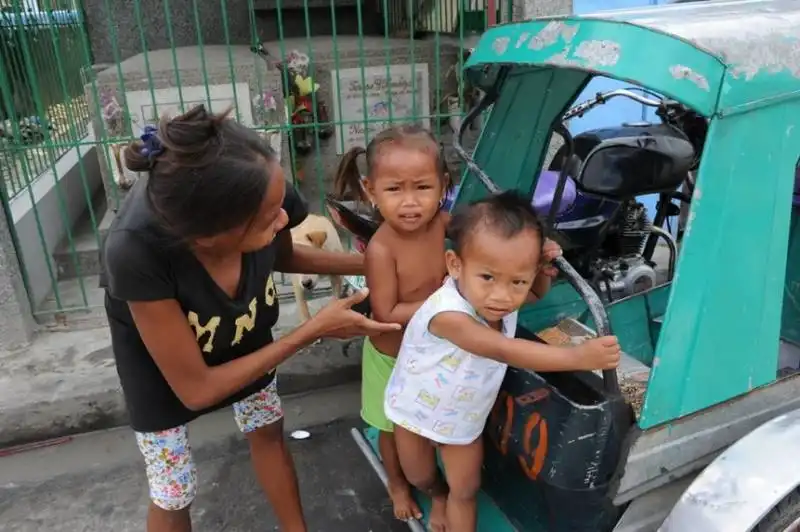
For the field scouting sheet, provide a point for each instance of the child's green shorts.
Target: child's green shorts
(376, 368)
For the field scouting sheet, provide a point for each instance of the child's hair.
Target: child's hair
(507, 214)
(348, 177)
(207, 174)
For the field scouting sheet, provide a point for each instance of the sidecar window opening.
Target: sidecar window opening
(556, 83)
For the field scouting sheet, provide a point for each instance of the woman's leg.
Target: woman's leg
(260, 418)
(418, 459)
(462, 467)
(171, 476)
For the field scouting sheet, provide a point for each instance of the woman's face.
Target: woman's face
(260, 231)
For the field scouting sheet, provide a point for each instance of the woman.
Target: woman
(191, 301)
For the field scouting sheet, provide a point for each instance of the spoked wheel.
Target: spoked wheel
(785, 517)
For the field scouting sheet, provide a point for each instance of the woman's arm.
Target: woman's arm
(173, 346)
(381, 273)
(464, 331)
(293, 258)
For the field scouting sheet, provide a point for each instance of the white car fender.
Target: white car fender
(745, 482)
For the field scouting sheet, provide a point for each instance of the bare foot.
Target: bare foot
(438, 520)
(404, 506)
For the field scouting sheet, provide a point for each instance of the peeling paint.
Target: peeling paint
(560, 59)
(690, 220)
(598, 53)
(748, 59)
(752, 39)
(551, 33)
(500, 45)
(588, 54)
(684, 72)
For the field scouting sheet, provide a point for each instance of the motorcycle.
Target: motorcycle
(591, 209)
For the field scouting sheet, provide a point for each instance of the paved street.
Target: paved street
(96, 482)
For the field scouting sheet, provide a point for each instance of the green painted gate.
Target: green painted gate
(80, 79)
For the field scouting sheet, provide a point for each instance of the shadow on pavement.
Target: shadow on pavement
(340, 492)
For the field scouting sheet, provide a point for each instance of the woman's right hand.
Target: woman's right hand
(338, 320)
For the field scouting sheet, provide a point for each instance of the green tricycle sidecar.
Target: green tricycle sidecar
(710, 323)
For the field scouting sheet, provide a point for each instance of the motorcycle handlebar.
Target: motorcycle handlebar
(603, 97)
(598, 312)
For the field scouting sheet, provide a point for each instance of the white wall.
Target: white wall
(54, 214)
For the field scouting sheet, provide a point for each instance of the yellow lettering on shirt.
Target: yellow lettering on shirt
(269, 292)
(209, 328)
(245, 322)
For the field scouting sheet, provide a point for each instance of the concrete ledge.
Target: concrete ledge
(72, 410)
(66, 382)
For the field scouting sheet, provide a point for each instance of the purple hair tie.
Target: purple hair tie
(152, 145)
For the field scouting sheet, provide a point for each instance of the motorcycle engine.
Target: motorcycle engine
(622, 271)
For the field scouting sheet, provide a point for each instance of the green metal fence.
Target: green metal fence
(42, 92)
(313, 76)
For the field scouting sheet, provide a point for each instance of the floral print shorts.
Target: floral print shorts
(171, 471)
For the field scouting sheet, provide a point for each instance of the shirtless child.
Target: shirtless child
(406, 181)
(457, 346)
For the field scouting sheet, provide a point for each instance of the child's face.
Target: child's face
(495, 275)
(405, 187)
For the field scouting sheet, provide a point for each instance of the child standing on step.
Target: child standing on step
(406, 182)
(457, 346)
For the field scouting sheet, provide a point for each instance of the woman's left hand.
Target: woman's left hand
(550, 251)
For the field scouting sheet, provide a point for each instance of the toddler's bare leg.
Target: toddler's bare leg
(462, 467)
(418, 460)
(399, 489)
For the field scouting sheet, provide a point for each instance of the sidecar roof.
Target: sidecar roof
(711, 56)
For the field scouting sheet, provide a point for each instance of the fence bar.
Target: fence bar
(49, 53)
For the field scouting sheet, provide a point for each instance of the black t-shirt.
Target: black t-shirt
(142, 263)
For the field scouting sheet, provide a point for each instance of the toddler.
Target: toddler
(457, 346)
(407, 183)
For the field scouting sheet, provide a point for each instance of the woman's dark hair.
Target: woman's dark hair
(507, 214)
(210, 173)
(348, 177)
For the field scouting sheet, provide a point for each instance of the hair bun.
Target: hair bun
(133, 158)
(192, 133)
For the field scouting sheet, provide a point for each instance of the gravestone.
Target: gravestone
(369, 101)
(342, 60)
(124, 99)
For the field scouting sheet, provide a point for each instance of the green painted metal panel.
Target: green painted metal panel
(720, 332)
(790, 318)
(632, 318)
(633, 322)
(611, 48)
(562, 301)
(490, 518)
(517, 134)
(168, 58)
(761, 88)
